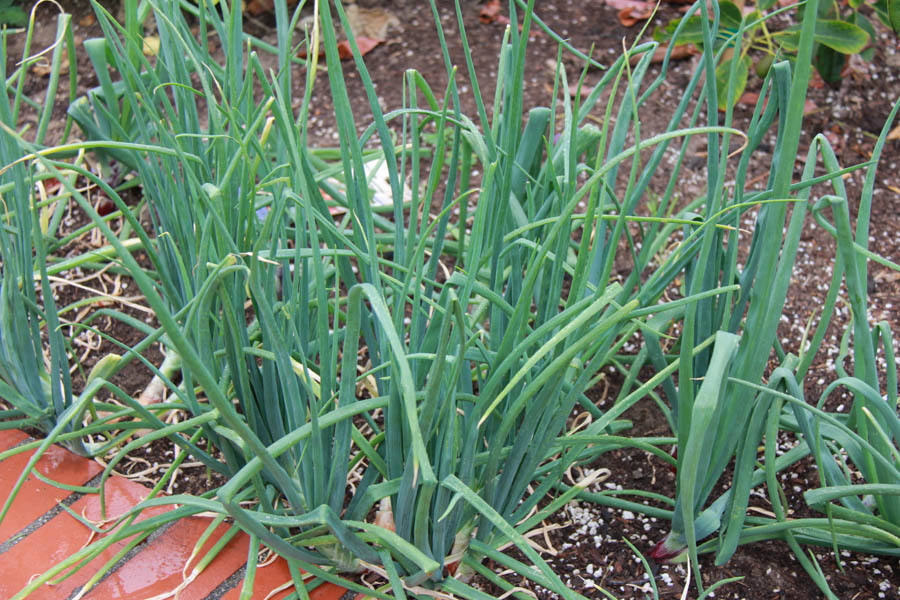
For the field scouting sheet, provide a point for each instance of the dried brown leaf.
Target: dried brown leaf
(894, 134)
(679, 52)
(629, 17)
(751, 98)
(258, 7)
(365, 44)
(623, 4)
(490, 13)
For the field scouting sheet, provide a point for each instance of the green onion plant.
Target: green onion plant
(729, 414)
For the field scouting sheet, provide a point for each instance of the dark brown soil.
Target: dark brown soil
(589, 543)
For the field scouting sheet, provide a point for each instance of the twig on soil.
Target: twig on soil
(130, 302)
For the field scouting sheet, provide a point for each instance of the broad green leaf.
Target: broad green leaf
(789, 39)
(866, 25)
(723, 74)
(882, 9)
(692, 33)
(730, 15)
(830, 63)
(841, 36)
(752, 22)
(863, 22)
(893, 14)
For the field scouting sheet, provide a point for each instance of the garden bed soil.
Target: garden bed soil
(588, 547)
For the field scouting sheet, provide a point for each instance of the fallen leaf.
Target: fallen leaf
(42, 68)
(622, 4)
(751, 98)
(365, 45)
(51, 185)
(894, 134)
(573, 90)
(490, 13)
(104, 206)
(301, 52)
(631, 16)
(257, 7)
(679, 52)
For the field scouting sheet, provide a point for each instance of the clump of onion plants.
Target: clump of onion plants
(417, 358)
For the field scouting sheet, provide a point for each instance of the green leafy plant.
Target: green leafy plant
(843, 29)
(746, 40)
(11, 13)
(889, 13)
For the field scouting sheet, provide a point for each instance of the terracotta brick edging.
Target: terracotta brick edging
(35, 535)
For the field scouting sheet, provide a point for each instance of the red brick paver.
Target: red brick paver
(62, 537)
(11, 437)
(160, 567)
(277, 575)
(36, 497)
(155, 570)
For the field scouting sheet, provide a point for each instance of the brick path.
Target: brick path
(31, 543)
